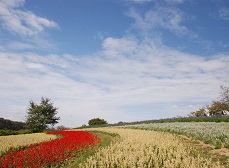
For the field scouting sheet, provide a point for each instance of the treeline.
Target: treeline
(182, 119)
(6, 124)
(8, 127)
(218, 107)
(179, 119)
(15, 132)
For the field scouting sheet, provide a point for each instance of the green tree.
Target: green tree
(40, 116)
(97, 121)
(198, 113)
(217, 107)
(62, 127)
(11, 125)
(222, 103)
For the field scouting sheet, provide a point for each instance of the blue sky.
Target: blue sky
(120, 60)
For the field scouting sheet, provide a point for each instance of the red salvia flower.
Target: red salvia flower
(52, 152)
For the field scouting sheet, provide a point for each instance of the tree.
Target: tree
(218, 107)
(97, 121)
(224, 94)
(199, 113)
(221, 104)
(62, 127)
(40, 116)
(11, 125)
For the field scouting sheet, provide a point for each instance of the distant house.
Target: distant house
(225, 112)
(207, 112)
(219, 113)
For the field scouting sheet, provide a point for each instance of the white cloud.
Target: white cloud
(159, 17)
(13, 3)
(21, 22)
(139, 1)
(114, 46)
(128, 80)
(100, 36)
(175, 1)
(16, 45)
(157, 22)
(139, 80)
(224, 13)
(146, 1)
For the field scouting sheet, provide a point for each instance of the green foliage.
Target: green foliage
(42, 115)
(170, 120)
(198, 119)
(97, 121)
(14, 132)
(217, 106)
(200, 112)
(62, 128)
(11, 125)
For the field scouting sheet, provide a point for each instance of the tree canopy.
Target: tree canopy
(97, 121)
(11, 125)
(40, 116)
(217, 106)
(224, 94)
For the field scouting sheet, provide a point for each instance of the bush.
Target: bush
(13, 132)
(97, 121)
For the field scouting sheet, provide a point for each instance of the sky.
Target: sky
(119, 60)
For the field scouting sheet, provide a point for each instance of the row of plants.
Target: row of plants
(52, 153)
(179, 119)
(195, 119)
(15, 132)
(143, 148)
(166, 120)
(106, 139)
(214, 133)
(6, 124)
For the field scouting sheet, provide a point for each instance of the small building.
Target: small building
(225, 112)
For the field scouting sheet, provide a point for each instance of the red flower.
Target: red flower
(52, 152)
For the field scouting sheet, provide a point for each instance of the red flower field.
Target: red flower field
(50, 153)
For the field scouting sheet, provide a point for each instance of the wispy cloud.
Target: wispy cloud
(224, 13)
(126, 73)
(139, 1)
(22, 22)
(134, 77)
(169, 18)
(16, 45)
(175, 1)
(157, 22)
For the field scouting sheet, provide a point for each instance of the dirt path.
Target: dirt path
(221, 154)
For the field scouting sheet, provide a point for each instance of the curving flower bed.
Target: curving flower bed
(50, 153)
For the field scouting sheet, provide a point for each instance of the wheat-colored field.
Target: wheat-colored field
(15, 141)
(143, 148)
